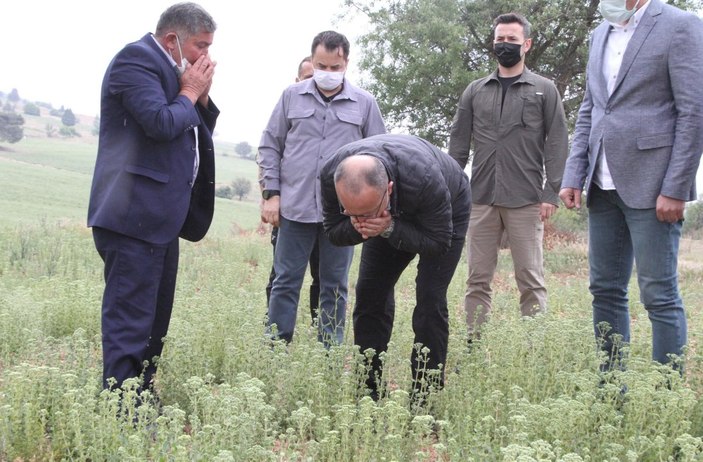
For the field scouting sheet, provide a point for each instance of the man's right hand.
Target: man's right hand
(270, 209)
(197, 78)
(571, 197)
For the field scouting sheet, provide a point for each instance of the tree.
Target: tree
(96, 126)
(420, 55)
(31, 109)
(68, 118)
(244, 150)
(241, 187)
(11, 127)
(14, 96)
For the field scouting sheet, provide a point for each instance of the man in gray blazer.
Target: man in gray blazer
(635, 151)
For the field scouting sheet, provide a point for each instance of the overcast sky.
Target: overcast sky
(57, 51)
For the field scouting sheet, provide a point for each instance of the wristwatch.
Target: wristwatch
(269, 193)
(387, 232)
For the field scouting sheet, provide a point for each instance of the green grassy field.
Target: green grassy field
(49, 179)
(529, 391)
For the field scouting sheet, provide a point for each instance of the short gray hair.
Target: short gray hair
(186, 19)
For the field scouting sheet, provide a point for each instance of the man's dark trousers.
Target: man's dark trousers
(379, 270)
(140, 282)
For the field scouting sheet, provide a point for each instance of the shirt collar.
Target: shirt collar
(309, 87)
(168, 55)
(634, 20)
(527, 76)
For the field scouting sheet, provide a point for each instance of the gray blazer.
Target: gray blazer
(651, 127)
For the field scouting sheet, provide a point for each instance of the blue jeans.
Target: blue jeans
(314, 273)
(293, 248)
(619, 235)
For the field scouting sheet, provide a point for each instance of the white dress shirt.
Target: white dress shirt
(196, 161)
(618, 39)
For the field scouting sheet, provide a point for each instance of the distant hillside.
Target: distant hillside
(46, 177)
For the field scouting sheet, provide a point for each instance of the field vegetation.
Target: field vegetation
(528, 391)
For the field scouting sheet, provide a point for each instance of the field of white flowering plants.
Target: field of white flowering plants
(528, 391)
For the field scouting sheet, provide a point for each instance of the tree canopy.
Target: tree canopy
(68, 118)
(11, 127)
(244, 150)
(241, 187)
(31, 109)
(13, 96)
(419, 55)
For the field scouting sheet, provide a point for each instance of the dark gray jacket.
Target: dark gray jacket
(430, 190)
(520, 142)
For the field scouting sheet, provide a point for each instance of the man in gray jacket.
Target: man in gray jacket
(311, 120)
(401, 197)
(635, 151)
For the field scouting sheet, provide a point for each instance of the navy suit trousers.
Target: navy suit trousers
(140, 282)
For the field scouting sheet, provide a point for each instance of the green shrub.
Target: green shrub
(31, 109)
(573, 221)
(693, 223)
(69, 132)
(224, 192)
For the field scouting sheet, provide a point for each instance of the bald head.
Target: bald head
(362, 186)
(358, 172)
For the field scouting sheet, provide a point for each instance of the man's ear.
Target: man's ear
(390, 188)
(528, 44)
(170, 41)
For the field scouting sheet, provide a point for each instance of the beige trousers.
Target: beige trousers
(525, 232)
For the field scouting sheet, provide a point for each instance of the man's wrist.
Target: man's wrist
(190, 93)
(269, 193)
(387, 232)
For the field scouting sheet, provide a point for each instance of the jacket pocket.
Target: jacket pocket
(532, 116)
(149, 173)
(655, 141)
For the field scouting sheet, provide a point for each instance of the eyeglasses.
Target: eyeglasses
(343, 211)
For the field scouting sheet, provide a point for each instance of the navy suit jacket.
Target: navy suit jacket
(143, 182)
(651, 126)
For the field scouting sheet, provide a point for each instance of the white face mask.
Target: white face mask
(328, 80)
(615, 11)
(184, 62)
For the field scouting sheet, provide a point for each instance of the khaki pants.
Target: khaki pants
(525, 232)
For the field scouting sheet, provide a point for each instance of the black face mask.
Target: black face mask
(508, 54)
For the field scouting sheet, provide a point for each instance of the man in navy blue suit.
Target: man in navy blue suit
(153, 183)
